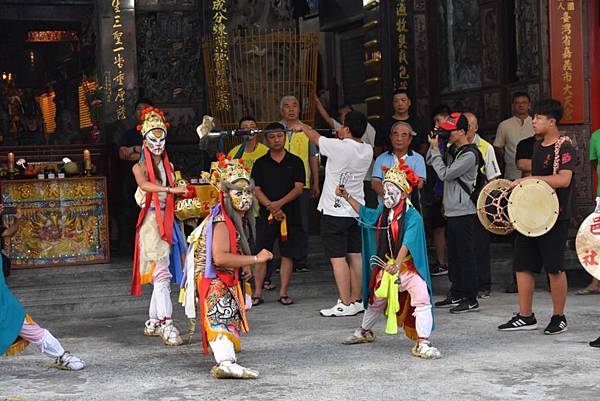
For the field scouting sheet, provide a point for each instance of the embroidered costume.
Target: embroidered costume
(402, 291)
(159, 243)
(18, 330)
(221, 297)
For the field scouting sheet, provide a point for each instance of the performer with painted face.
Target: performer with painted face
(395, 259)
(159, 244)
(219, 255)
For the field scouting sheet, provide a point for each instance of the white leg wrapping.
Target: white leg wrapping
(152, 313)
(370, 318)
(50, 346)
(424, 321)
(164, 307)
(223, 350)
(227, 367)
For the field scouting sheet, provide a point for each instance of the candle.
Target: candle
(87, 160)
(11, 162)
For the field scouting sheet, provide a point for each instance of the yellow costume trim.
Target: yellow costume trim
(283, 228)
(20, 344)
(388, 288)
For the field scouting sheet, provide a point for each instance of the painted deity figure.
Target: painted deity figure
(218, 261)
(159, 243)
(395, 260)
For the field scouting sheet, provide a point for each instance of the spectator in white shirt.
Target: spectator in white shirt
(511, 131)
(348, 159)
(368, 137)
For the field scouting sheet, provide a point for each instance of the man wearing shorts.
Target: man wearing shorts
(553, 162)
(279, 180)
(348, 160)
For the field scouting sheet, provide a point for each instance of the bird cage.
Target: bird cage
(261, 67)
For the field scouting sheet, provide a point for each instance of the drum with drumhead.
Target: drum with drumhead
(587, 242)
(531, 207)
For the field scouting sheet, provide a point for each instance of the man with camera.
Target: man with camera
(457, 168)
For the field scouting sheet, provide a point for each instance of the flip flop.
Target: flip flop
(587, 291)
(257, 301)
(267, 285)
(285, 300)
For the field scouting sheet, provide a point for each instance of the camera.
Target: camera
(437, 131)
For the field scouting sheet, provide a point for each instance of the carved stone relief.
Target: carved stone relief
(489, 44)
(421, 55)
(492, 108)
(527, 39)
(583, 188)
(460, 45)
(169, 57)
(252, 14)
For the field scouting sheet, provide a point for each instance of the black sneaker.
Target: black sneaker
(465, 306)
(303, 269)
(449, 302)
(438, 269)
(595, 343)
(557, 325)
(485, 294)
(519, 322)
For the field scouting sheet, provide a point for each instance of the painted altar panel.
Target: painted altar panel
(65, 222)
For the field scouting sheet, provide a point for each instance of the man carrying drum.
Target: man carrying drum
(554, 163)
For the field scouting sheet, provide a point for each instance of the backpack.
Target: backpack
(480, 181)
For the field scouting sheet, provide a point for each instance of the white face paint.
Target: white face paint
(155, 141)
(392, 195)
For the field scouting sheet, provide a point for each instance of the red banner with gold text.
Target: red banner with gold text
(566, 58)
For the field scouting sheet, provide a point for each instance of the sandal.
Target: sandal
(267, 285)
(285, 300)
(587, 291)
(257, 301)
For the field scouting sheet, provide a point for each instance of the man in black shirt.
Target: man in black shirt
(129, 154)
(401, 104)
(553, 162)
(524, 154)
(279, 180)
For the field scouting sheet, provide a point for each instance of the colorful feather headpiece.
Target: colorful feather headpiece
(226, 170)
(152, 118)
(402, 176)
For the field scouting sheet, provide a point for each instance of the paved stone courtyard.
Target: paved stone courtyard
(299, 353)
(300, 357)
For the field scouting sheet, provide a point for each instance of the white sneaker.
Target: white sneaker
(426, 351)
(358, 305)
(339, 309)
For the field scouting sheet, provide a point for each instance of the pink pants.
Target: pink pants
(42, 339)
(413, 283)
(419, 299)
(32, 332)
(161, 307)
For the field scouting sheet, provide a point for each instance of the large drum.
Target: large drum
(531, 207)
(587, 243)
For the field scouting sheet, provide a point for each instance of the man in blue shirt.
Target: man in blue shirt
(400, 139)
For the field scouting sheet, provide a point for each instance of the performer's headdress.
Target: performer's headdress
(402, 176)
(153, 128)
(225, 175)
(226, 171)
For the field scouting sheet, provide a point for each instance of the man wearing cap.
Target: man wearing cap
(482, 237)
(460, 162)
(400, 139)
